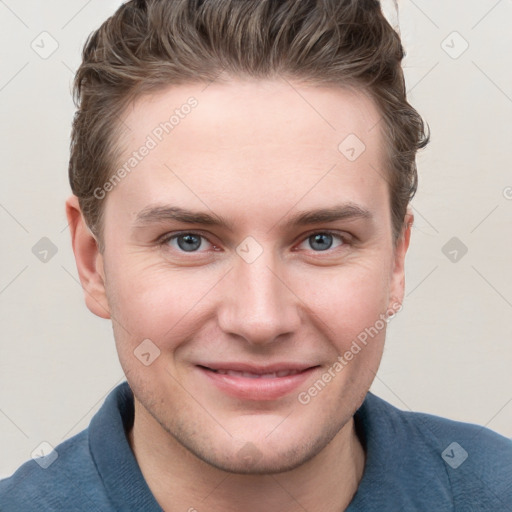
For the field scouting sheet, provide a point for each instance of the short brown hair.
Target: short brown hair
(149, 45)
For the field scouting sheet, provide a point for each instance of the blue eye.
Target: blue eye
(322, 241)
(187, 242)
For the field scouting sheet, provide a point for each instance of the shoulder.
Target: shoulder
(473, 462)
(478, 461)
(65, 479)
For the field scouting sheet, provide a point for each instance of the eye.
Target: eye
(186, 242)
(324, 240)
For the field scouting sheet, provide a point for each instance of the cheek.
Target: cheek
(156, 302)
(348, 299)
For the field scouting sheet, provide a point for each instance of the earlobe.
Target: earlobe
(89, 260)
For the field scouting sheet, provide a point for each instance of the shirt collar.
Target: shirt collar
(114, 459)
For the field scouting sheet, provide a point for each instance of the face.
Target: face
(250, 247)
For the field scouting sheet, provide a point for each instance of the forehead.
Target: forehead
(240, 109)
(252, 143)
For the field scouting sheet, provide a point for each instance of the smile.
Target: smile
(250, 375)
(247, 382)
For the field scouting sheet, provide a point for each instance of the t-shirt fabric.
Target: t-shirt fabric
(414, 462)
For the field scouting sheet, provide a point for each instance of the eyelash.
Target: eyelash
(343, 238)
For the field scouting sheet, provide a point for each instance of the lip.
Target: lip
(257, 386)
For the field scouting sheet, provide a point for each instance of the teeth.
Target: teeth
(284, 373)
(248, 375)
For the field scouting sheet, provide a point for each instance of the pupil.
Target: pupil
(321, 241)
(189, 242)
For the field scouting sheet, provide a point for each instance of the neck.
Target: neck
(181, 481)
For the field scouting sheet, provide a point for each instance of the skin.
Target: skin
(254, 153)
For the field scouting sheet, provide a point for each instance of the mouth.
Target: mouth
(248, 382)
(251, 375)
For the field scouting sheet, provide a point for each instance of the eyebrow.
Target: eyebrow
(160, 214)
(346, 211)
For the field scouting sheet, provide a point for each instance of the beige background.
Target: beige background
(449, 352)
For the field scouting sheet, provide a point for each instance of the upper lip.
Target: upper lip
(258, 369)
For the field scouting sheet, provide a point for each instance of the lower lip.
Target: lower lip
(247, 388)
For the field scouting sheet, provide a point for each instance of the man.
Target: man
(241, 173)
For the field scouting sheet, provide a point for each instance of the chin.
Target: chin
(251, 461)
(262, 455)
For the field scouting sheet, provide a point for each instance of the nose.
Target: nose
(257, 304)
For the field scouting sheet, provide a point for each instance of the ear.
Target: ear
(397, 287)
(89, 260)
